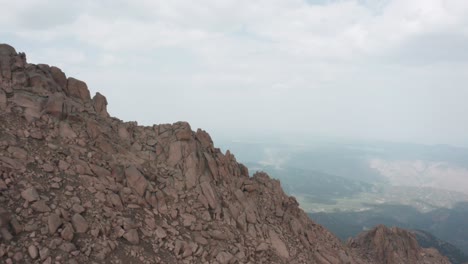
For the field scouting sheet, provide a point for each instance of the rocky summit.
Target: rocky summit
(80, 186)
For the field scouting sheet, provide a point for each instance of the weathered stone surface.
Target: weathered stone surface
(79, 223)
(40, 206)
(175, 153)
(161, 233)
(33, 252)
(3, 100)
(66, 131)
(115, 200)
(56, 106)
(93, 129)
(59, 77)
(78, 89)
(6, 50)
(30, 194)
(136, 180)
(100, 105)
(54, 221)
(67, 233)
(184, 133)
(132, 236)
(224, 257)
(191, 171)
(209, 194)
(278, 244)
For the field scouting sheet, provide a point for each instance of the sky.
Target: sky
(391, 70)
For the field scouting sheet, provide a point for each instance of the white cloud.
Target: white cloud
(345, 68)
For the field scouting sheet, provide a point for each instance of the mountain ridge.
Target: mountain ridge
(80, 186)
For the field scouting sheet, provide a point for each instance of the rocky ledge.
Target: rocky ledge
(79, 186)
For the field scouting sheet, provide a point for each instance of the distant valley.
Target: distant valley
(351, 187)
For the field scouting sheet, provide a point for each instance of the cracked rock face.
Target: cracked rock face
(80, 186)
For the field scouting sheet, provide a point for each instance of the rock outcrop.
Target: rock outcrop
(393, 245)
(79, 186)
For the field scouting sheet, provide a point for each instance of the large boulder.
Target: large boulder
(6, 54)
(59, 77)
(78, 89)
(100, 105)
(7, 50)
(55, 106)
(136, 180)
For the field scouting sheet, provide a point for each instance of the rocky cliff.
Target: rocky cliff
(79, 186)
(393, 245)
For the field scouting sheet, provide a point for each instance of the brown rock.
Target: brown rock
(5, 217)
(175, 153)
(3, 185)
(54, 221)
(219, 235)
(200, 239)
(32, 104)
(78, 208)
(262, 247)
(18, 153)
(204, 138)
(16, 226)
(18, 257)
(136, 180)
(184, 132)
(48, 168)
(78, 89)
(224, 257)
(67, 233)
(118, 232)
(93, 129)
(30, 194)
(100, 105)
(66, 131)
(161, 233)
(5, 234)
(59, 77)
(55, 106)
(115, 200)
(63, 165)
(123, 133)
(44, 253)
(79, 223)
(40, 206)
(278, 244)
(209, 194)
(33, 252)
(67, 247)
(188, 219)
(191, 172)
(132, 236)
(3, 100)
(392, 245)
(6, 50)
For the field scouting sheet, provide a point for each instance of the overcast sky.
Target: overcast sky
(392, 70)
